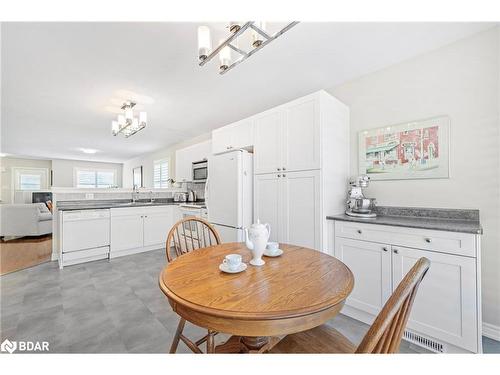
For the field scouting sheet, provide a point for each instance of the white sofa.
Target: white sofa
(33, 219)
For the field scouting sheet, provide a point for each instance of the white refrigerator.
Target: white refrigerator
(230, 194)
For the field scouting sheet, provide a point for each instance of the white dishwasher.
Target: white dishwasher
(85, 236)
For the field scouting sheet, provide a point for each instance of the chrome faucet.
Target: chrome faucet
(135, 193)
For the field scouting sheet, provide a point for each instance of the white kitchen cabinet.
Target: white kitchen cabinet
(138, 229)
(185, 157)
(290, 203)
(371, 265)
(233, 136)
(268, 147)
(446, 313)
(301, 132)
(156, 227)
(301, 209)
(268, 203)
(127, 230)
(445, 303)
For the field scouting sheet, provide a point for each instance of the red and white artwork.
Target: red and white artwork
(417, 149)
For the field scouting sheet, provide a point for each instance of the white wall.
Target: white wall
(462, 81)
(63, 171)
(147, 161)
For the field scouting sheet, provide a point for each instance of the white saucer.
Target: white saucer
(277, 254)
(224, 268)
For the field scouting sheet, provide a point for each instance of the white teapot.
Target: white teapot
(256, 238)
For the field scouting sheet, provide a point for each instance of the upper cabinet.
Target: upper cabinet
(287, 138)
(185, 157)
(233, 136)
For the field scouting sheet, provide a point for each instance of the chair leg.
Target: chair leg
(177, 337)
(211, 342)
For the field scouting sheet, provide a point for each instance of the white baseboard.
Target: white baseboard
(491, 331)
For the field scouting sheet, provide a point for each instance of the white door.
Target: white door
(157, 226)
(301, 204)
(301, 143)
(268, 142)
(445, 306)
(268, 203)
(221, 139)
(127, 232)
(225, 202)
(370, 264)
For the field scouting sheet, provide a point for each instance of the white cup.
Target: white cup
(272, 247)
(232, 261)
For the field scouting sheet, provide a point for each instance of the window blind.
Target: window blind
(160, 174)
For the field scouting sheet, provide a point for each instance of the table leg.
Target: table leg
(255, 343)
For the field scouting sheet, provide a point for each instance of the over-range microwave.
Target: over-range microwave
(200, 171)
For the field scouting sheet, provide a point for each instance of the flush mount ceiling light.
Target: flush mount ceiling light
(259, 39)
(127, 124)
(88, 150)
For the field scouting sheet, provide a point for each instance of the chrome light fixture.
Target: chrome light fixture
(127, 124)
(260, 39)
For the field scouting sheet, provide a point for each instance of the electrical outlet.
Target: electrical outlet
(89, 195)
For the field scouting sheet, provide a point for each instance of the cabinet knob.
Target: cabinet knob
(284, 175)
(279, 175)
(284, 168)
(396, 251)
(384, 248)
(428, 240)
(359, 231)
(279, 169)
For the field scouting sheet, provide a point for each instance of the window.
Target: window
(160, 174)
(30, 179)
(89, 178)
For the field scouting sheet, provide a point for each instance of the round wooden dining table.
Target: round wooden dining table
(297, 291)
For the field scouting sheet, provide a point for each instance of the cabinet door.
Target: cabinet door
(301, 216)
(242, 134)
(301, 140)
(183, 166)
(445, 306)
(126, 232)
(267, 203)
(156, 227)
(221, 139)
(370, 264)
(268, 142)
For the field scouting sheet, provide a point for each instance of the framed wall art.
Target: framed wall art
(412, 150)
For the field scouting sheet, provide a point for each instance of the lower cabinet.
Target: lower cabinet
(290, 203)
(138, 229)
(446, 312)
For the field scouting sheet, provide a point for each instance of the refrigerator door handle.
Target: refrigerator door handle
(206, 195)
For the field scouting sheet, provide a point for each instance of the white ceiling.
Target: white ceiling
(59, 80)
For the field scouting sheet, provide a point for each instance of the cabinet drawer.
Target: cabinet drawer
(127, 211)
(433, 240)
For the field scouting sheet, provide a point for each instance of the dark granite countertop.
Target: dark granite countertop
(451, 220)
(117, 203)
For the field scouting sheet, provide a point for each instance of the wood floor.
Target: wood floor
(24, 252)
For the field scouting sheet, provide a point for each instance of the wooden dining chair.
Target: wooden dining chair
(186, 235)
(384, 335)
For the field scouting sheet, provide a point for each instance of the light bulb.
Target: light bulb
(234, 26)
(143, 117)
(115, 127)
(129, 114)
(258, 39)
(224, 58)
(121, 120)
(204, 42)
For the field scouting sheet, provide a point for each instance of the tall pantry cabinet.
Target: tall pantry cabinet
(301, 152)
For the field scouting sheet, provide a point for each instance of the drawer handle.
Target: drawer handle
(284, 168)
(428, 240)
(279, 169)
(384, 248)
(359, 231)
(396, 251)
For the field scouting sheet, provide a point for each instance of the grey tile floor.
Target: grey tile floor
(109, 307)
